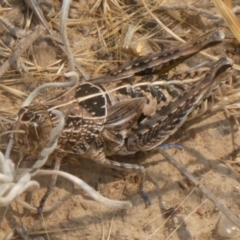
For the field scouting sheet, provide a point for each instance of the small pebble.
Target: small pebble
(148, 228)
(226, 228)
(236, 189)
(201, 211)
(183, 185)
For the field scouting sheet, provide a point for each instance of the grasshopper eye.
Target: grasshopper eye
(25, 115)
(28, 117)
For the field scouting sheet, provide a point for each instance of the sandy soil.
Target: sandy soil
(208, 146)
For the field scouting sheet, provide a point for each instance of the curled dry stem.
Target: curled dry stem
(63, 32)
(91, 192)
(74, 80)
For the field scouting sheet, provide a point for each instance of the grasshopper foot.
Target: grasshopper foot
(146, 198)
(170, 145)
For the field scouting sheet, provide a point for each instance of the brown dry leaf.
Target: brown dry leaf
(224, 8)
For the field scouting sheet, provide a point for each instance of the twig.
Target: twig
(63, 32)
(23, 45)
(33, 94)
(191, 8)
(211, 5)
(17, 32)
(38, 12)
(208, 194)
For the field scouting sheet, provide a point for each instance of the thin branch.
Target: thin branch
(208, 194)
(23, 45)
(191, 8)
(17, 32)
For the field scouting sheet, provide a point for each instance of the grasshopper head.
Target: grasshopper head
(33, 127)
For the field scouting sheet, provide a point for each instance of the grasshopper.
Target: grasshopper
(132, 109)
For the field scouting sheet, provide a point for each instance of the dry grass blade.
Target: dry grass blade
(13, 91)
(106, 6)
(224, 8)
(161, 24)
(235, 66)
